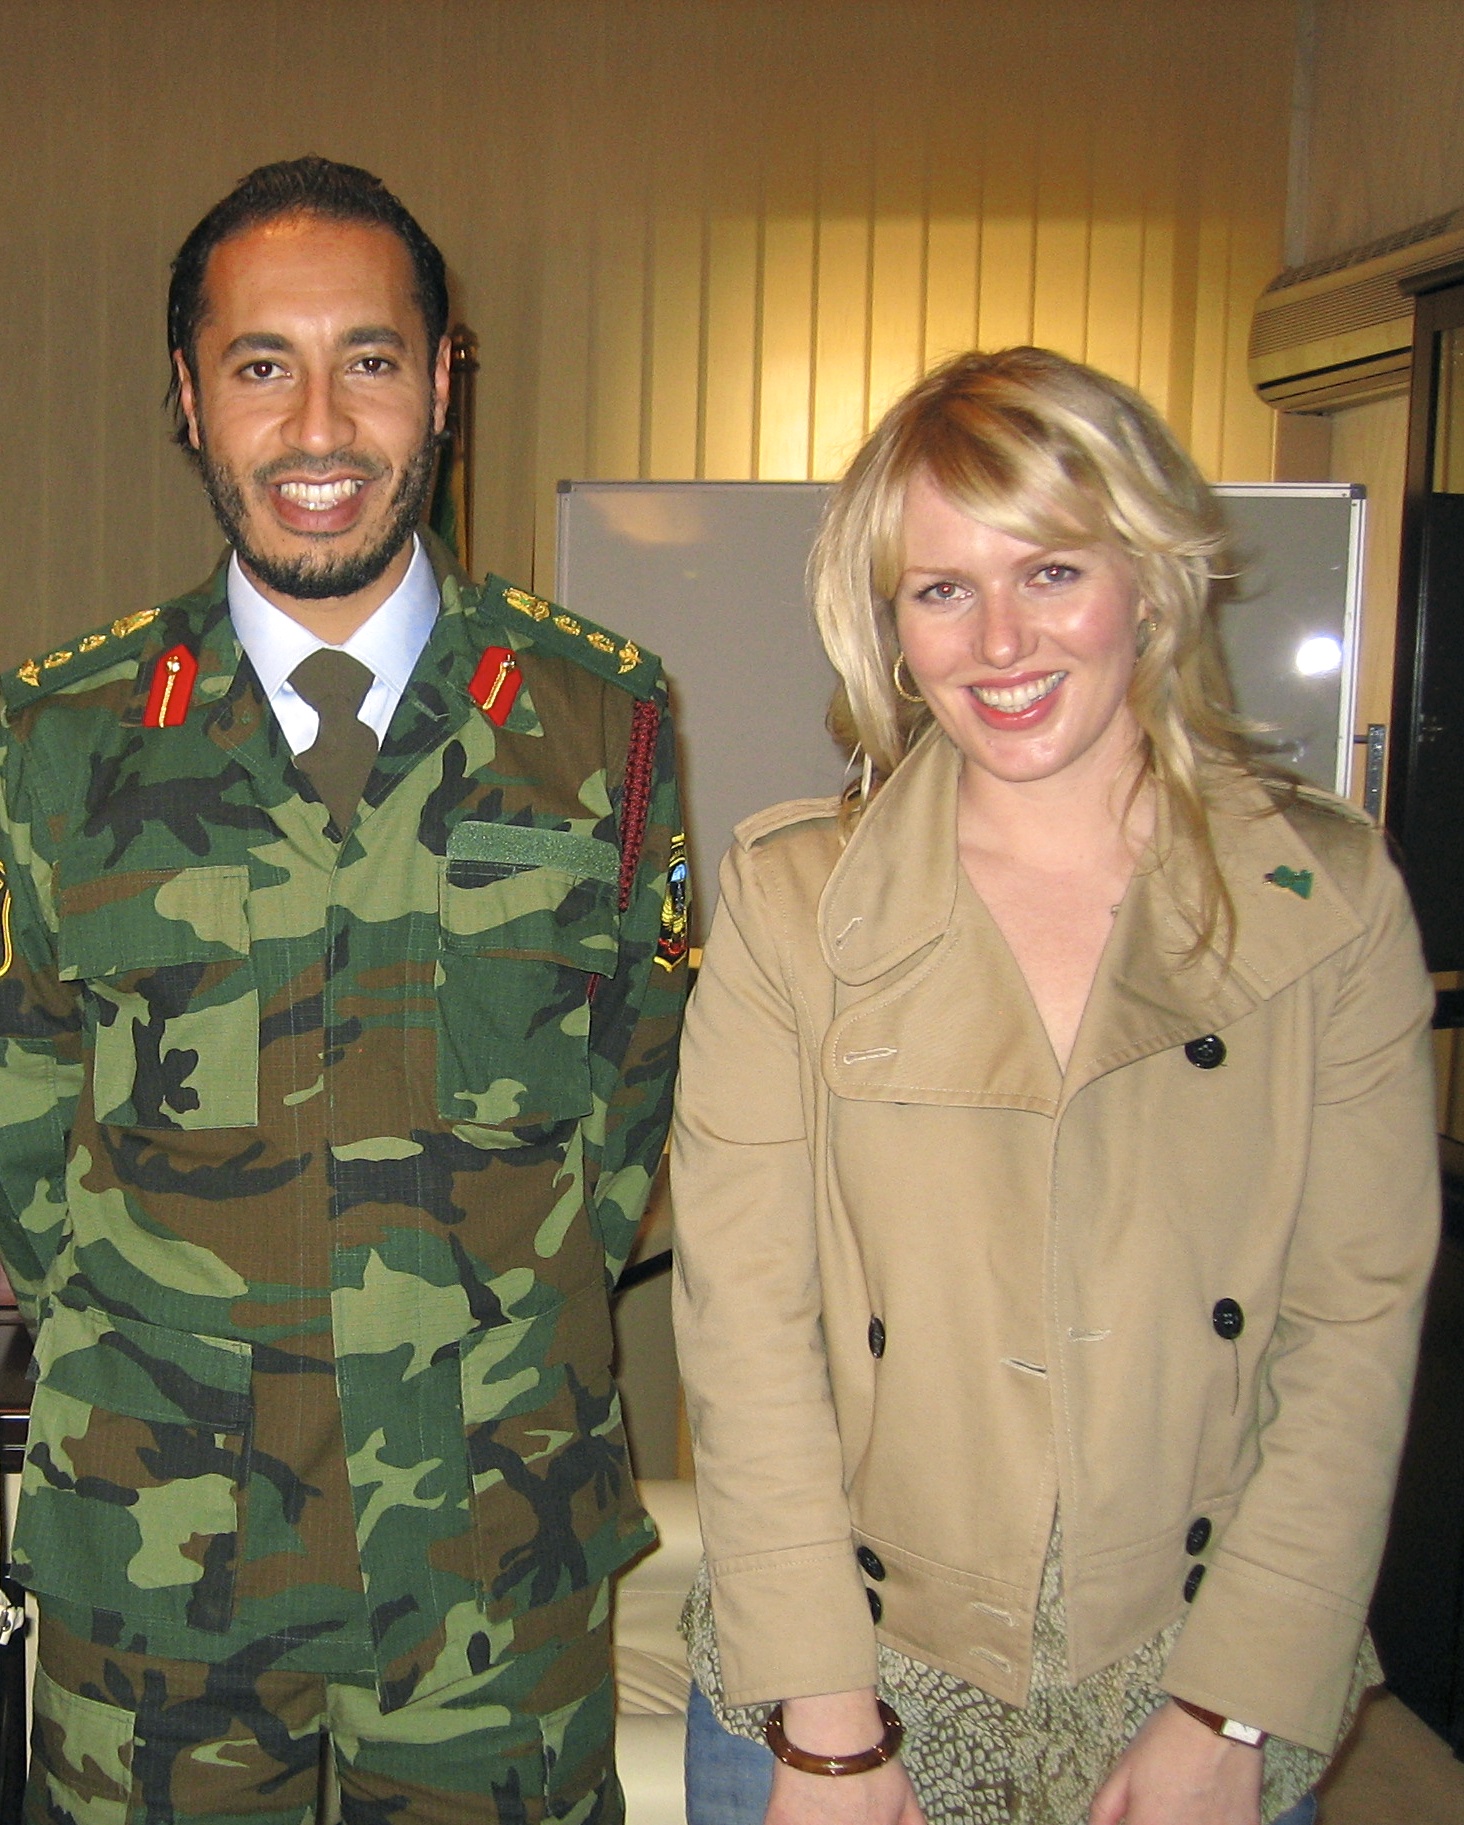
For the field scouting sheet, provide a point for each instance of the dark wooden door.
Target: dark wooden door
(1425, 802)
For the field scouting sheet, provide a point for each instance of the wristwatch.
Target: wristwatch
(1229, 1727)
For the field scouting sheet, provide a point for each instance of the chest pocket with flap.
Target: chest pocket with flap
(528, 918)
(172, 1009)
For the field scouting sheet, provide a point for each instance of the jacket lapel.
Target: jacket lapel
(931, 1006)
(436, 706)
(239, 722)
(228, 708)
(1149, 995)
(230, 712)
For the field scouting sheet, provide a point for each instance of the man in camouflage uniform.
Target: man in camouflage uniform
(326, 1129)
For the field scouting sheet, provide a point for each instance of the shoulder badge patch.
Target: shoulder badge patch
(675, 938)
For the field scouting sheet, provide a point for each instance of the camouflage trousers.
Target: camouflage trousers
(131, 1739)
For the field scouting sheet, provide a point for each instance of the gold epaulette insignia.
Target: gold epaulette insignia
(129, 624)
(30, 672)
(527, 604)
(539, 610)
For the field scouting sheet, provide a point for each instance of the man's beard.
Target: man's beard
(311, 578)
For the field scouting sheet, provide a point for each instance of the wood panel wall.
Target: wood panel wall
(1386, 135)
(1384, 149)
(696, 237)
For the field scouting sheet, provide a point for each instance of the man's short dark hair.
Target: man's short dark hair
(298, 186)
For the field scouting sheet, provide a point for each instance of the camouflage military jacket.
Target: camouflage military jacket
(317, 1157)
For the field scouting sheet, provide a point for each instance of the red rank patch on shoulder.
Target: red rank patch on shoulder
(495, 684)
(171, 689)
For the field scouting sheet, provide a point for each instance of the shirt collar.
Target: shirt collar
(389, 642)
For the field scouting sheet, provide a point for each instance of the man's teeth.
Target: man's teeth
(318, 497)
(1012, 697)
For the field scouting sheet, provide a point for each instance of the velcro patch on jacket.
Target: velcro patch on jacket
(527, 846)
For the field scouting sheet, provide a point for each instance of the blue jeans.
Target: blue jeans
(728, 1779)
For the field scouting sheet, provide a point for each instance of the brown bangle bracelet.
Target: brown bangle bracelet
(885, 1750)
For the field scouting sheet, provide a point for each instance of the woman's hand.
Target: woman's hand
(839, 1723)
(1177, 1771)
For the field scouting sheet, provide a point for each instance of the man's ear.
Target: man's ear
(186, 398)
(441, 384)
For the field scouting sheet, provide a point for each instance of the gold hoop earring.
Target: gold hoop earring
(900, 691)
(1148, 627)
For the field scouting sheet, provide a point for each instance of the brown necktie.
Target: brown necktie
(335, 685)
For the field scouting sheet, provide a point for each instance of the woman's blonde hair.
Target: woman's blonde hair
(1054, 453)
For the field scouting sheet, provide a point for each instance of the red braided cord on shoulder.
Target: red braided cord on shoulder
(635, 798)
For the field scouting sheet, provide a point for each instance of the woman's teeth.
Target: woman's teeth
(319, 497)
(1014, 697)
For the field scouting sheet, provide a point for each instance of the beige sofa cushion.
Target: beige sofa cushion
(652, 1679)
(651, 1674)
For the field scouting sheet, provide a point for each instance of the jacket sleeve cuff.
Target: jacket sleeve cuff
(1297, 1686)
(763, 1603)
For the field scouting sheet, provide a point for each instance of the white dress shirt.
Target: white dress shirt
(388, 644)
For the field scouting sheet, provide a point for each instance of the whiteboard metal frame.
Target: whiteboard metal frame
(1356, 494)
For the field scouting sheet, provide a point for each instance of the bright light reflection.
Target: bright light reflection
(1318, 656)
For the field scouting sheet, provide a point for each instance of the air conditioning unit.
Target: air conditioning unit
(1339, 331)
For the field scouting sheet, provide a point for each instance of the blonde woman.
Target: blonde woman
(1054, 1176)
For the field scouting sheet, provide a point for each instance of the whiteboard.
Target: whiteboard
(1297, 549)
(710, 575)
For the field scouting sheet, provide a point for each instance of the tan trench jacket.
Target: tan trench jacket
(928, 1285)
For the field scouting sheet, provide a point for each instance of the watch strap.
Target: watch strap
(1229, 1727)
